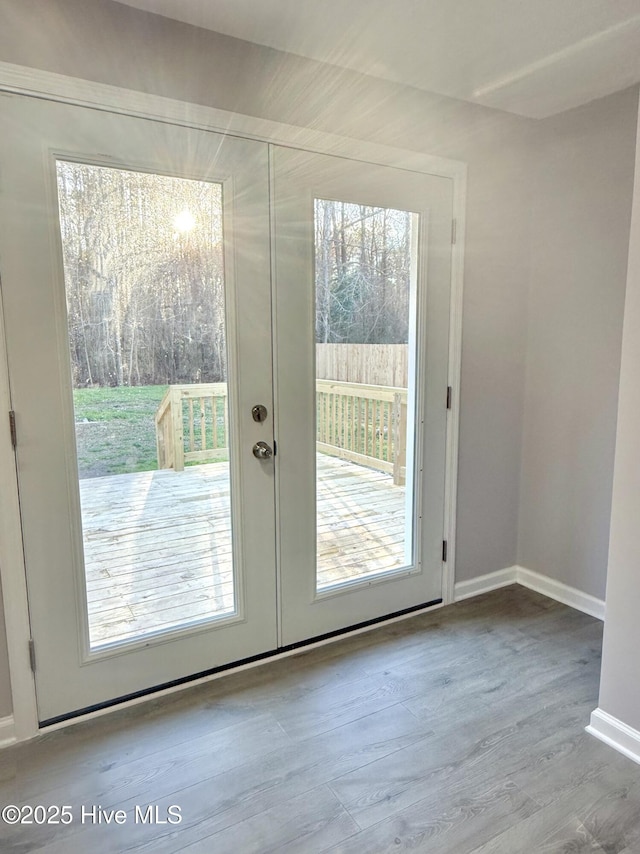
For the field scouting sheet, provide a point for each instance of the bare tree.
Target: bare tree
(363, 272)
(144, 275)
(144, 272)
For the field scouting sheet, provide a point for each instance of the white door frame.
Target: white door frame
(19, 80)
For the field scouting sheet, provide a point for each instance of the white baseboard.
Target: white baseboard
(485, 583)
(560, 592)
(7, 731)
(534, 581)
(616, 734)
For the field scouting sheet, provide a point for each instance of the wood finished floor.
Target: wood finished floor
(158, 544)
(457, 731)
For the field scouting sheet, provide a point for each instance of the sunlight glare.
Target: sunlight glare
(185, 221)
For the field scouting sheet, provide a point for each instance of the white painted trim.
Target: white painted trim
(7, 732)
(485, 583)
(12, 574)
(533, 581)
(561, 592)
(455, 370)
(615, 733)
(57, 87)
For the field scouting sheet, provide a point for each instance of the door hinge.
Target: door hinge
(32, 655)
(275, 447)
(449, 394)
(12, 428)
(454, 230)
(444, 551)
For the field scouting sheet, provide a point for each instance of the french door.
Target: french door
(193, 492)
(363, 253)
(137, 574)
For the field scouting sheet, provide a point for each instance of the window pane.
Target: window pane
(365, 329)
(144, 277)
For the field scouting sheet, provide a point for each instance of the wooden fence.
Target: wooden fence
(371, 364)
(366, 424)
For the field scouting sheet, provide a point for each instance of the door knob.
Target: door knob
(261, 451)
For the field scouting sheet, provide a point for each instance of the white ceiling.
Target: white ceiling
(531, 57)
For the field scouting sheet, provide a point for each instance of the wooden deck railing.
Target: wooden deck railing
(363, 423)
(192, 425)
(366, 424)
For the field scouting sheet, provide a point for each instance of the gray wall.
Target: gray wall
(107, 42)
(584, 167)
(620, 686)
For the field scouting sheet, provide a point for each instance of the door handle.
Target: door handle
(262, 451)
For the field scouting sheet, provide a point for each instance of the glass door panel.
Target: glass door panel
(145, 295)
(362, 289)
(365, 329)
(136, 278)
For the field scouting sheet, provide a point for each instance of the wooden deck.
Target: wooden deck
(158, 543)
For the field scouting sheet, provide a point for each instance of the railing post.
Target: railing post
(399, 438)
(164, 446)
(160, 450)
(177, 430)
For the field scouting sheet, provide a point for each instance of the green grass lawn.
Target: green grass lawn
(115, 429)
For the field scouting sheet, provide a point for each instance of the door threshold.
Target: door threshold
(134, 699)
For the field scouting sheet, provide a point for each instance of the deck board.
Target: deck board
(158, 548)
